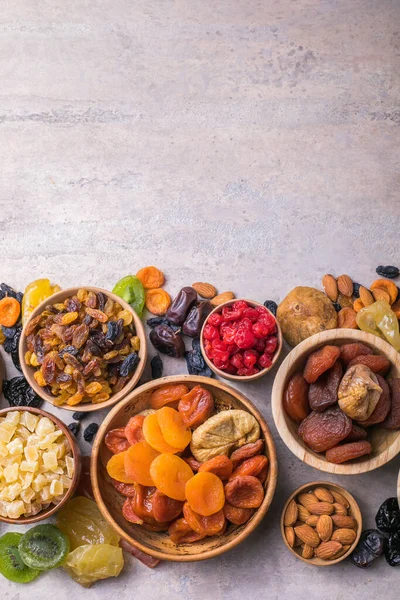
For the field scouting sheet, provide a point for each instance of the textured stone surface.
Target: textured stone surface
(252, 144)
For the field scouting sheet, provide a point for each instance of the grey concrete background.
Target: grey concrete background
(252, 144)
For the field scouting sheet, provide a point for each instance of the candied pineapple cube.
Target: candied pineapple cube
(16, 446)
(66, 481)
(56, 488)
(36, 507)
(3, 509)
(14, 490)
(61, 448)
(33, 440)
(3, 449)
(39, 482)
(15, 509)
(32, 467)
(13, 417)
(31, 453)
(44, 427)
(50, 460)
(70, 464)
(26, 480)
(7, 430)
(11, 473)
(22, 432)
(44, 494)
(29, 421)
(27, 495)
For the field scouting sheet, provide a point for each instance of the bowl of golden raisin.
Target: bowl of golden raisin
(83, 349)
(184, 468)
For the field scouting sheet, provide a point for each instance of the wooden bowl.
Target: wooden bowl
(242, 378)
(85, 407)
(76, 455)
(385, 443)
(353, 511)
(2, 373)
(110, 501)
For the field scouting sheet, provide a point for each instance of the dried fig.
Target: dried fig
(359, 392)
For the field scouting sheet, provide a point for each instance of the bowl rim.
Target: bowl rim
(86, 408)
(239, 378)
(272, 456)
(291, 441)
(76, 455)
(356, 514)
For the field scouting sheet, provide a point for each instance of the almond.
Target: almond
(221, 298)
(327, 550)
(323, 494)
(342, 521)
(380, 294)
(290, 517)
(340, 509)
(297, 541)
(365, 296)
(307, 552)
(290, 536)
(205, 290)
(312, 520)
(340, 498)
(322, 508)
(307, 499)
(308, 535)
(344, 536)
(345, 285)
(325, 527)
(341, 552)
(330, 286)
(302, 513)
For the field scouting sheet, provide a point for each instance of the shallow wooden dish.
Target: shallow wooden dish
(353, 511)
(86, 407)
(110, 501)
(242, 378)
(76, 454)
(385, 443)
(2, 374)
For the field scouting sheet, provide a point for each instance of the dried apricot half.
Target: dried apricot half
(151, 277)
(389, 286)
(153, 435)
(173, 428)
(205, 493)
(116, 441)
(236, 515)
(158, 301)
(116, 468)
(138, 459)
(170, 474)
(181, 533)
(167, 394)
(245, 491)
(221, 466)
(134, 429)
(211, 525)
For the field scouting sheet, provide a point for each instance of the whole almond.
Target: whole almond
(297, 541)
(290, 517)
(302, 513)
(380, 294)
(340, 498)
(307, 552)
(366, 296)
(290, 536)
(330, 286)
(205, 290)
(340, 509)
(327, 550)
(342, 521)
(221, 298)
(324, 527)
(307, 499)
(345, 285)
(344, 536)
(341, 552)
(322, 508)
(308, 535)
(312, 520)
(323, 494)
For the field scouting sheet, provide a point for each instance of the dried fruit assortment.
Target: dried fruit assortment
(84, 349)
(185, 469)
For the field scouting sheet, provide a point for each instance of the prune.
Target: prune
(272, 306)
(344, 452)
(15, 359)
(8, 345)
(382, 408)
(323, 392)
(154, 321)
(9, 332)
(196, 365)
(181, 305)
(295, 400)
(350, 351)
(376, 362)
(321, 431)
(68, 350)
(320, 361)
(167, 341)
(356, 289)
(356, 434)
(156, 367)
(392, 421)
(196, 317)
(129, 364)
(90, 432)
(6, 290)
(388, 516)
(74, 427)
(388, 271)
(392, 549)
(18, 393)
(78, 416)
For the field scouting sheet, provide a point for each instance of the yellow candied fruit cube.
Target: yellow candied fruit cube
(34, 360)
(50, 460)
(27, 495)
(15, 509)
(7, 430)
(29, 421)
(39, 482)
(31, 453)
(44, 494)
(44, 427)
(26, 480)
(48, 441)
(22, 432)
(30, 467)
(13, 417)
(16, 446)
(56, 488)
(66, 481)
(14, 490)
(3, 509)
(9, 461)
(61, 449)
(11, 473)
(33, 440)
(40, 380)
(135, 343)
(70, 465)
(36, 507)
(3, 449)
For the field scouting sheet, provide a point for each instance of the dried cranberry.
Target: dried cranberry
(271, 345)
(247, 372)
(232, 348)
(215, 319)
(251, 313)
(245, 323)
(244, 338)
(237, 360)
(218, 344)
(265, 361)
(250, 358)
(228, 334)
(219, 363)
(240, 305)
(210, 332)
(230, 314)
(259, 345)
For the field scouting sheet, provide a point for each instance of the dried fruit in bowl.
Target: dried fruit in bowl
(173, 428)
(320, 361)
(204, 525)
(359, 392)
(196, 406)
(323, 393)
(170, 474)
(205, 494)
(170, 393)
(321, 431)
(153, 435)
(295, 400)
(180, 532)
(131, 289)
(137, 461)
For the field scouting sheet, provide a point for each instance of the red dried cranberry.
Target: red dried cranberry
(215, 319)
(230, 369)
(228, 334)
(237, 360)
(245, 323)
(244, 338)
(230, 314)
(232, 348)
(251, 313)
(271, 344)
(250, 358)
(265, 325)
(219, 363)
(265, 361)
(261, 309)
(218, 344)
(210, 332)
(240, 305)
(246, 371)
(259, 345)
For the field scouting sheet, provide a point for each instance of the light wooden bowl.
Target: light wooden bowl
(385, 443)
(76, 455)
(353, 511)
(2, 373)
(28, 371)
(110, 501)
(242, 378)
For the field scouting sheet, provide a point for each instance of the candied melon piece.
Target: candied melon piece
(205, 493)
(170, 475)
(153, 435)
(116, 468)
(138, 459)
(89, 563)
(173, 428)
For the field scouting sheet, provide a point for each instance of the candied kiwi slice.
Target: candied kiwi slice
(44, 547)
(11, 564)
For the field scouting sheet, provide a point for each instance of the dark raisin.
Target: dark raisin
(196, 345)
(272, 306)
(368, 549)
(68, 350)
(392, 549)
(154, 321)
(74, 428)
(388, 271)
(63, 377)
(388, 516)
(9, 332)
(101, 298)
(196, 365)
(8, 345)
(87, 320)
(78, 416)
(336, 306)
(18, 392)
(129, 364)
(356, 289)
(7, 290)
(156, 365)
(15, 359)
(19, 296)
(90, 432)
(100, 340)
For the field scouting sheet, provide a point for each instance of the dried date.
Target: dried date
(167, 341)
(322, 431)
(368, 549)
(181, 305)
(387, 518)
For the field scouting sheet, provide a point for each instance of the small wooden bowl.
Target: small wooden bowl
(110, 501)
(28, 371)
(353, 511)
(76, 455)
(385, 443)
(242, 378)
(2, 374)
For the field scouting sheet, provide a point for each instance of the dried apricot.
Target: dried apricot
(392, 421)
(205, 525)
(164, 508)
(252, 466)
(167, 394)
(157, 301)
(180, 533)
(173, 428)
(138, 459)
(134, 429)
(205, 493)
(151, 277)
(10, 310)
(153, 435)
(345, 452)
(358, 305)
(244, 491)
(221, 466)
(246, 451)
(321, 431)
(116, 441)
(170, 474)
(295, 399)
(376, 362)
(126, 489)
(129, 514)
(196, 406)
(356, 434)
(347, 318)
(381, 410)
(236, 515)
(116, 468)
(350, 351)
(389, 286)
(320, 361)
(143, 503)
(324, 392)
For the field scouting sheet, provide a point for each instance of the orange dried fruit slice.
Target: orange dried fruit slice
(205, 493)
(167, 394)
(173, 429)
(170, 475)
(138, 459)
(116, 468)
(151, 277)
(153, 435)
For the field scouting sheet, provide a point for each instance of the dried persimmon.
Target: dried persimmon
(134, 429)
(116, 441)
(116, 468)
(153, 435)
(151, 277)
(180, 533)
(173, 428)
(157, 301)
(138, 459)
(205, 493)
(210, 525)
(170, 474)
(196, 406)
(221, 466)
(254, 466)
(168, 394)
(245, 491)
(236, 515)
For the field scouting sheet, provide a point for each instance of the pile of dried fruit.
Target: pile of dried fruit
(217, 479)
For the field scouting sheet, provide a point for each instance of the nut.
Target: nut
(340, 509)
(291, 513)
(341, 552)
(344, 536)
(221, 298)
(312, 520)
(365, 296)
(323, 494)
(345, 285)
(342, 521)
(290, 536)
(307, 500)
(327, 550)
(340, 498)
(308, 535)
(302, 513)
(330, 286)
(324, 528)
(322, 508)
(205, 290)
(308, 551)
(380, 294)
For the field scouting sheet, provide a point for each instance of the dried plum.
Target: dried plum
(388, 516)
(129, 364)
(19, 296)
(156, 367)
(78, 416)
(272, 306)
(9, 332)
(368, 549)
(388, 271)
(167, 341)
(8, 345)
(6, 290)
(15, 359)
(392, 549)
(90, 432)
(18, 392)
(356, 289)
(74, 428)
(195, 363)
(68, 350)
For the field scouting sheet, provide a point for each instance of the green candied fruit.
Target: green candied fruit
(131, 289)
(90, 563)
